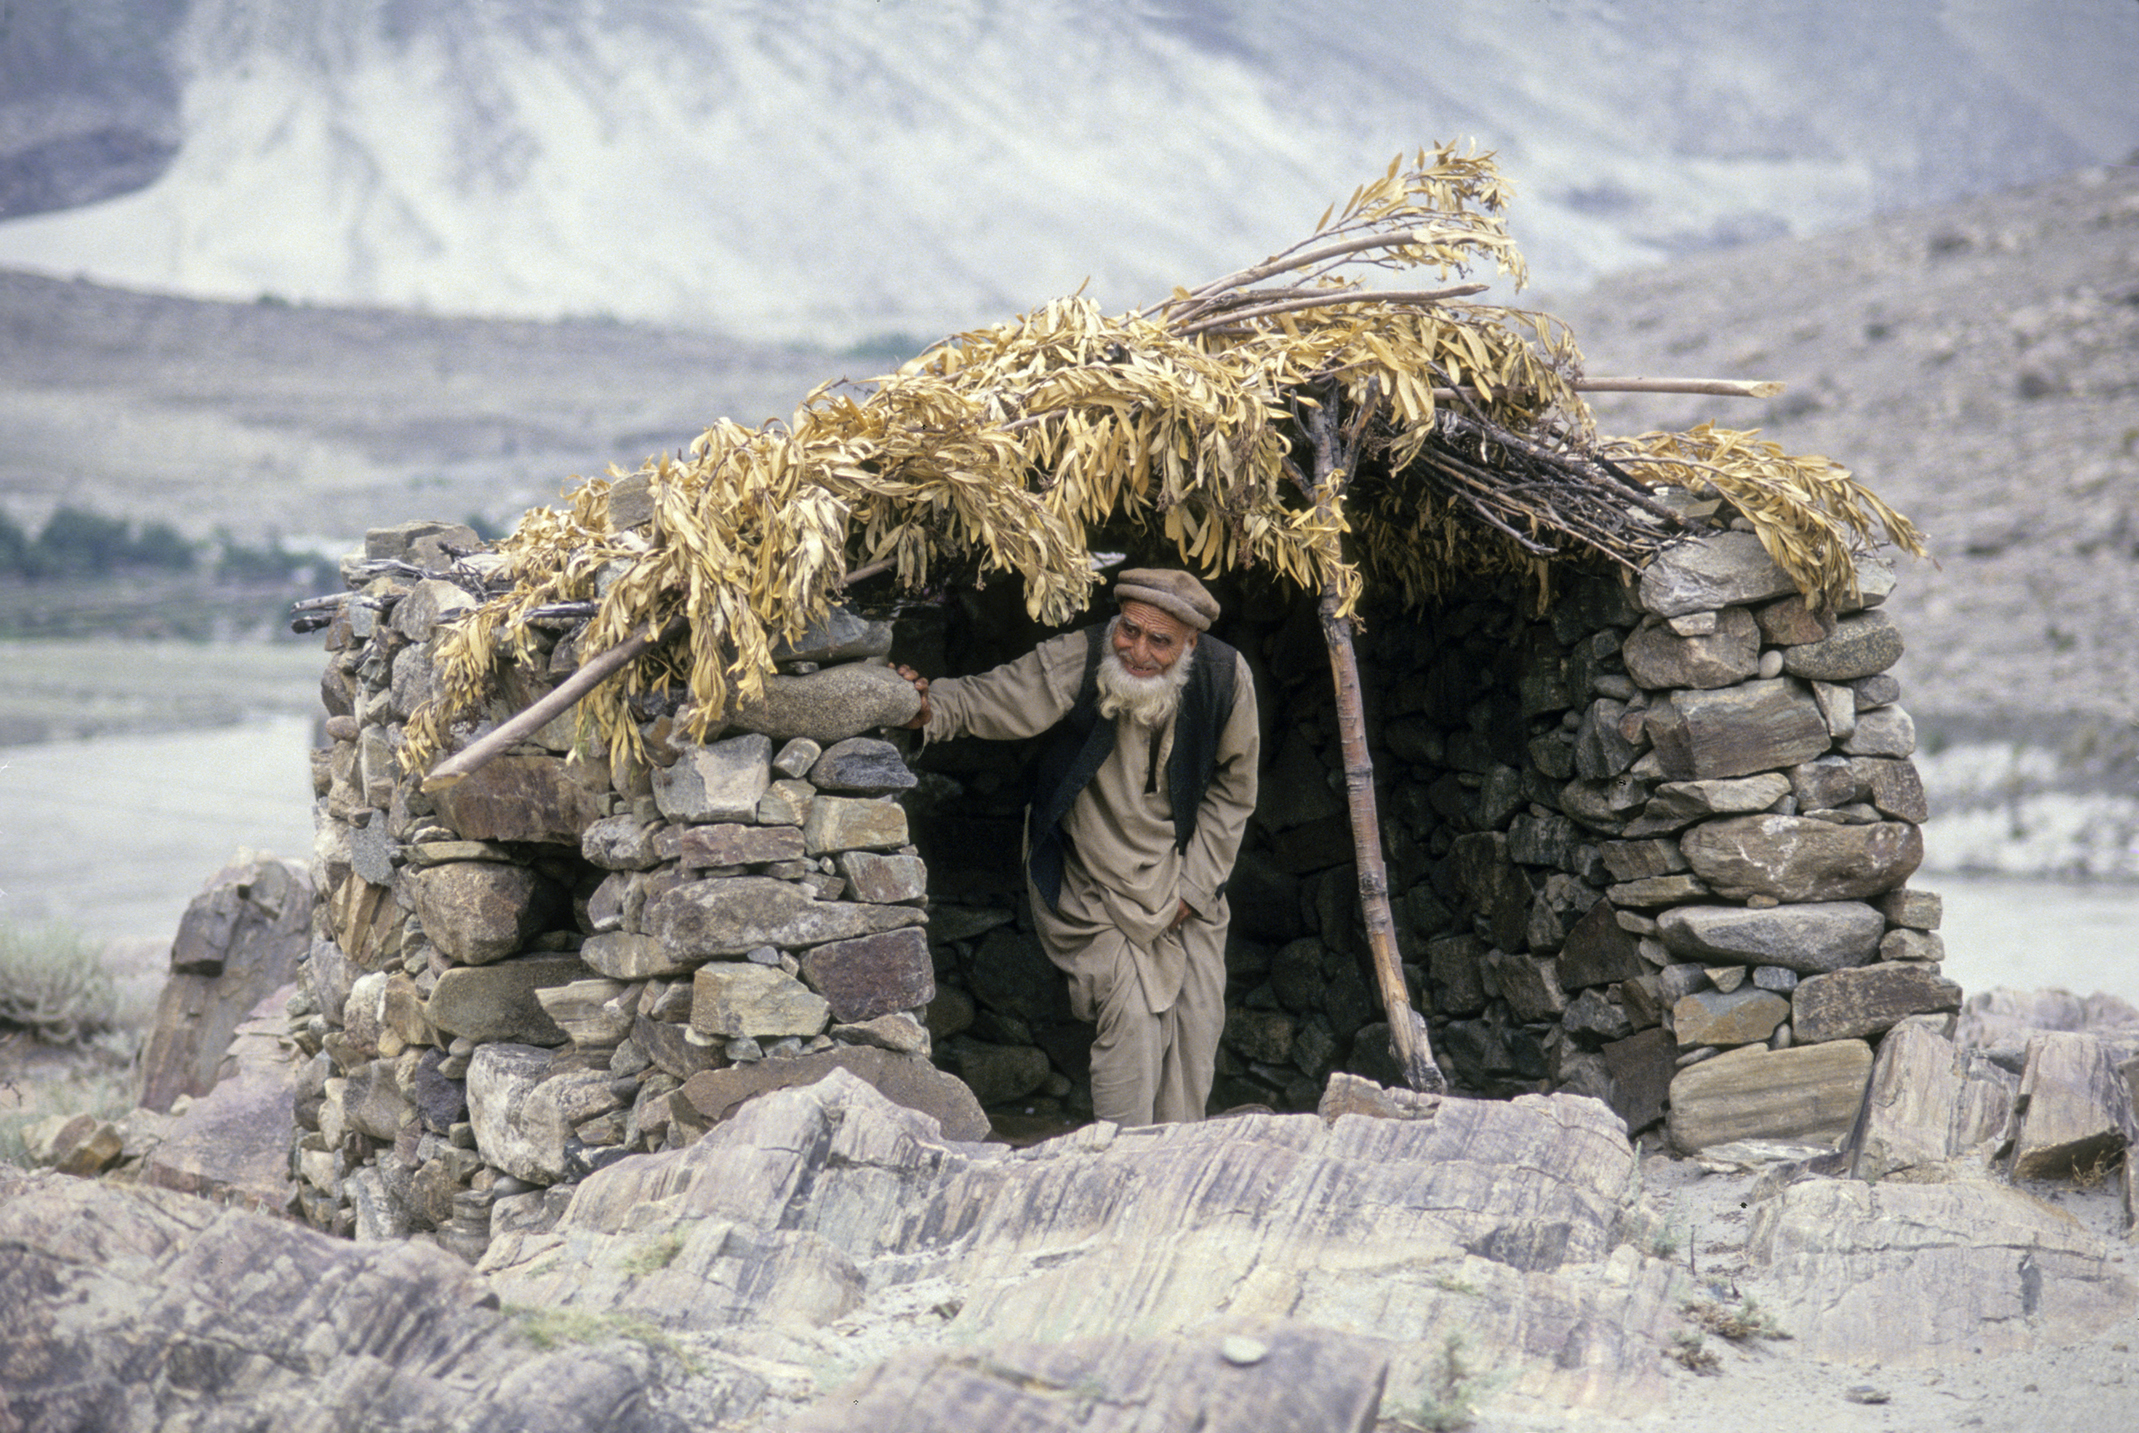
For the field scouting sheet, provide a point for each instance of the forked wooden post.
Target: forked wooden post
(1334, 454)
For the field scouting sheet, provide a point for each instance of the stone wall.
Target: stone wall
(1660, 823)
(560, 961)
(1650, 845)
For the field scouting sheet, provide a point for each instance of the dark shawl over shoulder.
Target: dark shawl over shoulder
(1082, 743)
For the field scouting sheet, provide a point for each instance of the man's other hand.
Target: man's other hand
(920, 718)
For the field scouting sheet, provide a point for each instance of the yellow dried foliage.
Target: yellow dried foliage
(1810, 512)
(1007, 449)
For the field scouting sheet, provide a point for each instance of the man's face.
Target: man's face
(1149, 641)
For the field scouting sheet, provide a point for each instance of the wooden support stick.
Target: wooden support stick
(1407, 1032)
(539, 714)
(590, 675)
(1329, 300)
(1717, 387)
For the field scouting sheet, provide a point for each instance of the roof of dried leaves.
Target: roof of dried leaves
(1009, 449)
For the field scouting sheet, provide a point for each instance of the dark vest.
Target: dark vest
(1082, 743)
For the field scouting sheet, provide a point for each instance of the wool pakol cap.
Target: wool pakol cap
(1174, 593)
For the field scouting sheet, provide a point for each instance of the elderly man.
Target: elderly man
(1136, 815)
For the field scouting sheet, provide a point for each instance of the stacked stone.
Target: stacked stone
(561, 960)
(1658, 824)
(1697, 850)
(1763, 817)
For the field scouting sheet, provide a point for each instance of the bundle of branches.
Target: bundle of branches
(1469, 450)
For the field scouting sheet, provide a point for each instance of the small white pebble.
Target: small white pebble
(1241, 1350)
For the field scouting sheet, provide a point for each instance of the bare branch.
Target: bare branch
(1332, 299)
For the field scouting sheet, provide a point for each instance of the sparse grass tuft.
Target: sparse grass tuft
(656, 1254)
(1747, 1321)
(53, 986)
(547, 1329)
(1667, 1236)
(1453, 1387)
(1691, 1352)
(2090, 1174)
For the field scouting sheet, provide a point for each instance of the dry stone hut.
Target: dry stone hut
(1583, 768)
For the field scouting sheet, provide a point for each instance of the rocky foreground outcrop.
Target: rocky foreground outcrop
(826, 1258)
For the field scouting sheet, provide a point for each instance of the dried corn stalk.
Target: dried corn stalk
(1003, 450)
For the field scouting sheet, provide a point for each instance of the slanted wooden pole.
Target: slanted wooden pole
(1713, 387)
(591, 674)
(1335, 452)
(538, 714)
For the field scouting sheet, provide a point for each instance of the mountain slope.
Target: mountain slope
(832, 170)
(1978, 364)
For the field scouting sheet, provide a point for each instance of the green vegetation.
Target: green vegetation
(76, 543)
(1453, 1388)
(550, 1328)
(53, 986)
(1691, 1353)
(1745, 1322)
(657, 1254)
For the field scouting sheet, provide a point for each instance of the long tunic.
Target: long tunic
(1122, 872)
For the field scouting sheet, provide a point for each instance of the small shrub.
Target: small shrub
(1691, 1353)
(1453, 1387)
(655, 1255)
(53, 986)
(1747, 1321)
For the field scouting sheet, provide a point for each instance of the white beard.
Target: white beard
(1146, 700)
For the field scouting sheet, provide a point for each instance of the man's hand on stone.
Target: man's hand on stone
(920, 718)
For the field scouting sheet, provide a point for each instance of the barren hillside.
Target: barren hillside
(1978, 363)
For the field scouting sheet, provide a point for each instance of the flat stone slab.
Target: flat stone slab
(1807, 1092)
(498, 1002)
(1810, 938)
(1796, 859)
(1255, 1379)
(1849, 1004)
(736, 915)
(1752, 727)
(526, 798)
(1929, 1275)
(732, 844)
(1722, 569)
(1733, 1017)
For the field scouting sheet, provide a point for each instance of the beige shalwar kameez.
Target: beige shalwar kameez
(1157, 993)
